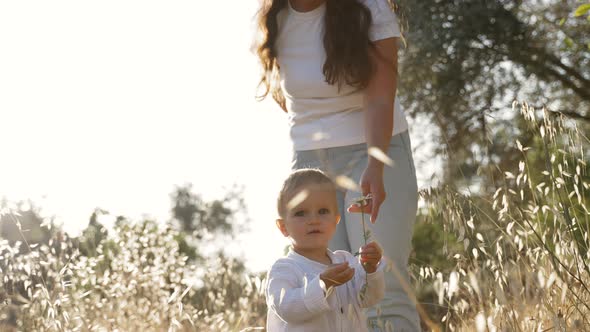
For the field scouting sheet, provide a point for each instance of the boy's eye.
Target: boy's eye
(299, 214)
(324, 211)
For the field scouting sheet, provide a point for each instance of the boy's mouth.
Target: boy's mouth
(314, 231)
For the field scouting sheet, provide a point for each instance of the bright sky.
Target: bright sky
(111, 104)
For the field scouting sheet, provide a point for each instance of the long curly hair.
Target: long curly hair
(346, 42)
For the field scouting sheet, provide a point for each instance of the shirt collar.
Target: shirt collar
(292, 254)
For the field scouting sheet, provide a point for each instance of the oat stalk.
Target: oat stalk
(363, 201)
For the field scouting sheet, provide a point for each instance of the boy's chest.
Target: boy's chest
(342, 299)
(344, 314)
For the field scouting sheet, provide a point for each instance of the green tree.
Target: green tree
(467, 61)
(196, 215)
(203, 221)
(93, 235)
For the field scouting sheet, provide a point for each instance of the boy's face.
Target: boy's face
(311, 223)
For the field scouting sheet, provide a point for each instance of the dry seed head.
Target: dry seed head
(347, 183)
(378, 154)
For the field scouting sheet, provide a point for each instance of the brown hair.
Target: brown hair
(346, 41)
(296, 180)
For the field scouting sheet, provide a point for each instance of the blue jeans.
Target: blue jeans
(393, 228)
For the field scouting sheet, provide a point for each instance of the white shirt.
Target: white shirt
(319, 115)
(298, 301)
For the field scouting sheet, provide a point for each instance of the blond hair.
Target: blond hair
(297, 179)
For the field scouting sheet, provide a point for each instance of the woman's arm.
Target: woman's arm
(379, 101)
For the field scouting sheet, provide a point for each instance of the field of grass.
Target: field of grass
(515, 259)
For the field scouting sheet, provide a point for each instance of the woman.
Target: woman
(332, 66)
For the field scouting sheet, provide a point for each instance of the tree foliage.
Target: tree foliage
(196, 215)
(467, 61)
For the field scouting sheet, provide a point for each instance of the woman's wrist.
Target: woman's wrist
(375, 164)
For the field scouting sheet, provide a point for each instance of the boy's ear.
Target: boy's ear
(338, 217)
(281, 226)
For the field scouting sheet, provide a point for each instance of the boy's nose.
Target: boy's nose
(313, 219)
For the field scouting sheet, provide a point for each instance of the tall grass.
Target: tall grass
(522, 263)
(138, 281)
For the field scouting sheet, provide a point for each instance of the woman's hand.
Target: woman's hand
(337, 274)
(370, 256)
(371, 184)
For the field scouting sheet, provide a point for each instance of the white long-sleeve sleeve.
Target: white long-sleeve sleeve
(294, 300)
(375, 285)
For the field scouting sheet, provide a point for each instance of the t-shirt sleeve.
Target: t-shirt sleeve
(385, 23)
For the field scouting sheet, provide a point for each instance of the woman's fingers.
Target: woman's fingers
(377, 200)
(366, 205)
(371, 207)
(356, 208)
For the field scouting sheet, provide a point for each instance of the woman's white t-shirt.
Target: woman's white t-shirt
(321, 116)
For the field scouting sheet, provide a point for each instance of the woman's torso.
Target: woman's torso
(320, 115)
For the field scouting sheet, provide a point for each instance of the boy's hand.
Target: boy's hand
(337, 274)
(370, 255)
